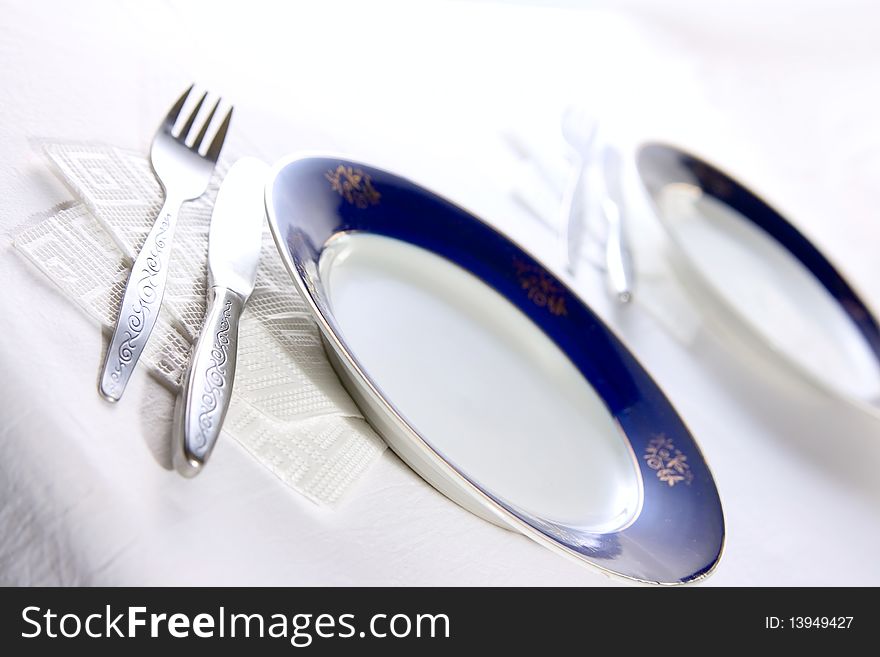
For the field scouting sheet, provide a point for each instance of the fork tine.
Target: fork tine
(207, 123)
(217, 143)
(184, 131)
(174, 112)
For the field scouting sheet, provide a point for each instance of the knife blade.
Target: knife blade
(234, 242)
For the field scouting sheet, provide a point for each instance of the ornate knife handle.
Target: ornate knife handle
(204, 397)
(140, 304)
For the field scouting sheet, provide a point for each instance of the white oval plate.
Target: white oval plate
(489, 377)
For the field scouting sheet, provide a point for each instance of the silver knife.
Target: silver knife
(234, 243)
(618, 257)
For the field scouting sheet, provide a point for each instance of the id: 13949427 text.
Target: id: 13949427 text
(808, 622)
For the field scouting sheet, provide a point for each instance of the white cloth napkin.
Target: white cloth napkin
(289, 410)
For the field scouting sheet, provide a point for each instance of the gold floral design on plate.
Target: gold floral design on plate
(670, 463)
(541, 290)
(353, 185)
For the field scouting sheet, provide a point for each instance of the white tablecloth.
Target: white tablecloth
(785, 97)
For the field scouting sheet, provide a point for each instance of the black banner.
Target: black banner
(435, 621)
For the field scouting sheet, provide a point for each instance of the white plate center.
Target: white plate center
(481, 382)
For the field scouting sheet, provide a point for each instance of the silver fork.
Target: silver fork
(183, 172)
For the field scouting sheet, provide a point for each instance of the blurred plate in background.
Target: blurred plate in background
(762, 276)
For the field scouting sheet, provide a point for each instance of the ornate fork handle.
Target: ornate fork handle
(140, 305)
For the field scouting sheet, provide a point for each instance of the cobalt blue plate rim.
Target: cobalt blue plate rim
(679, 534)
